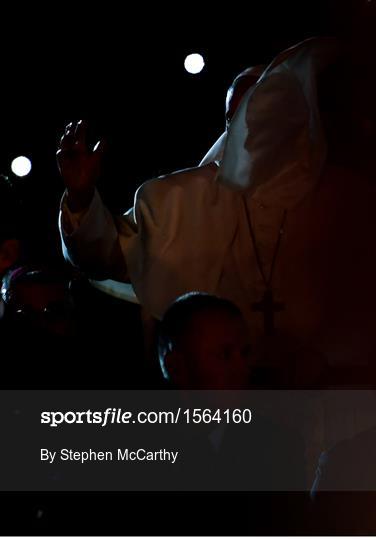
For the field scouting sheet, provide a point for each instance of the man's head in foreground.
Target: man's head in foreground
(204, 344)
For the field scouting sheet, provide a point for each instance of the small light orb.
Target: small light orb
(21, 166)
(194, 63)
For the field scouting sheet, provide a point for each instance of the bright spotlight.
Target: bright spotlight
(194, 63)
(21, 166)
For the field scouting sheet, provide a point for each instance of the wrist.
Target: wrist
(78, 200)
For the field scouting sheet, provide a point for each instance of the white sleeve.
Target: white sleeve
(165, 245)
(90, 240)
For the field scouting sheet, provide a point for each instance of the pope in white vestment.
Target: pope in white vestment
(265, 211)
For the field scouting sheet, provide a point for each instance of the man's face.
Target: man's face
(215, 353)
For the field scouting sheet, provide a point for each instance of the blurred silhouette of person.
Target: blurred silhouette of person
(39, 301)
(343, 491)
(348, 466)
(10, 252)
(10, 245)
(41, 324)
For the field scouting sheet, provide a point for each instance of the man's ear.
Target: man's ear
(9, 253)
(174, 365)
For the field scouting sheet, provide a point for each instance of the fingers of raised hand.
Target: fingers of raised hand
(100, 147)
(80, 133)
(73, 139)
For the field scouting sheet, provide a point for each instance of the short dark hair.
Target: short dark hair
(181, 313)
(34, 276)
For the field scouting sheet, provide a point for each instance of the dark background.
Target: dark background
(120, 66)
